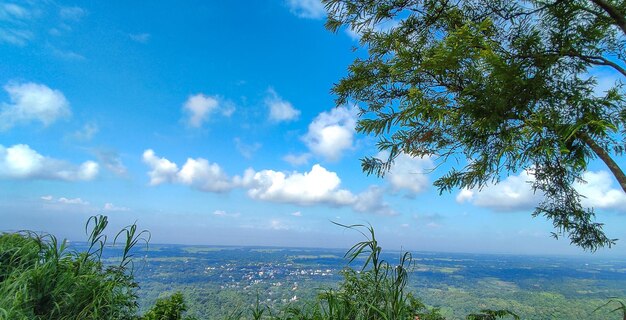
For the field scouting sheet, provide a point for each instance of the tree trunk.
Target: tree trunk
(606, 157)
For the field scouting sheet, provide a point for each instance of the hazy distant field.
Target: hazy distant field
(219, 280)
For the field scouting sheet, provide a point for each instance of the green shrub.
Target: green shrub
(41, 278)
(170, 308)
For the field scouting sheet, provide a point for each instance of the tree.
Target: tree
(493, 87)
(170, 308)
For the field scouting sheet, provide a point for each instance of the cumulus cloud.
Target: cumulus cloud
(316, 186)
(309, 9)
(515, 193)
(371, 201)
(296, 214)
(163, 170)
(599, 192)
(32, 102)
(21, 162)
(280, 110)
(331, 133)
(512, 194)
(408, 174)
(198, 108)
(198, 173)
(203, 175)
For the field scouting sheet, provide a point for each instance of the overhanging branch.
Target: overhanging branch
(606, 157)
(613, 12)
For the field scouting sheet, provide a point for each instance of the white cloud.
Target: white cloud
(198, 108)
(111, 207)
(140, 37)
(297, 160)
(512, 194)
(162, 171)
(314, 187)
(465, 195)
(318, 186)
(297, 214)
(198, 173)
(331, 133)
(72, 201)
(32, 102)
(309, 9)
(599, 191)
(22, 162)
(408, 173)
(280, 110)
(64, 200)
(515, 193)
(203, 175)
(371, 201)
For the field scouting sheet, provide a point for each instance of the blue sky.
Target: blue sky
(213, 123)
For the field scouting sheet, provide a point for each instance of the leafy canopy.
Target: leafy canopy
(493, 87)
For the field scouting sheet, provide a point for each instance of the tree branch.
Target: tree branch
(613, 12)
(602, 154)
(601, 61)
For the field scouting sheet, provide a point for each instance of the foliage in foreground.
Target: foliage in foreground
(41, 278)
